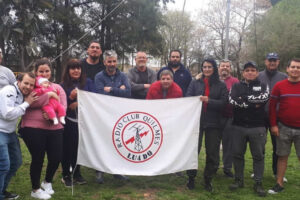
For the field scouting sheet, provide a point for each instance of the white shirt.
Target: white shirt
(6, 76)
(11, 107)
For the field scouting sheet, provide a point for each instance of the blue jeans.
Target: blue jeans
(10, 159)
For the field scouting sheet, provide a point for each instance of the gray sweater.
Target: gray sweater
(7, 77)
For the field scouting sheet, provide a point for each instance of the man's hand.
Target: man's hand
(73, 94)
(275, 130)
(146, 86)
(53, 95)
(204, 99)
(107, 89)
(73, 106)
(31, 98)
(122, 87)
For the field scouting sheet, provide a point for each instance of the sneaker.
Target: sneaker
(228, 173)
(47, 187)
(62, 120)
(208, 185)
(258, 188)
(191, 184)
(238, 183)
(284, 179)
(55, 121)
(121, 177)
(40, 194)
(252, 175)
(67, 181)
(99, 177)
(274, 190)
(79, 180)
(8, 195)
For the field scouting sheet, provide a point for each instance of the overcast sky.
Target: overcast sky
(190, 5)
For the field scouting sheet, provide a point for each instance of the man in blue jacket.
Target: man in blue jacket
(181, 75)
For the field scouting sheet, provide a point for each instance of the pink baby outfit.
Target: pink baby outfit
(53, 105)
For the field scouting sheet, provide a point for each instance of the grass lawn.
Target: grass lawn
(162, 187)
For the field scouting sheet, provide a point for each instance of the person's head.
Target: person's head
(225, 68)
(141, 60)
(250, 71)
(272, 62)
(175, 58)
(166, 79)
(94, 50)
(42, 82)
(25, 82)
(210, 70)
(1, 55)
(293, 69)
(73, 72)
(42, 68)
(110, 61)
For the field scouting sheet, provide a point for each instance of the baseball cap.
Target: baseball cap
(272, 56)
(250, 64)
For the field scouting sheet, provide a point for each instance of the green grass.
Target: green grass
(166, 187)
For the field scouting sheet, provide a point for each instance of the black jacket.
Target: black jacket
(218, 98)
(248, 100)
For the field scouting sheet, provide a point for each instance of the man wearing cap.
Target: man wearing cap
(226, 120)
(7, 77)
(141, 77)
(270, 76)
(285, 119)
(248, 99)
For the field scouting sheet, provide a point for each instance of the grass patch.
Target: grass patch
(165, 187)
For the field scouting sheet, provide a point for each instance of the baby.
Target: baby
(43, 86)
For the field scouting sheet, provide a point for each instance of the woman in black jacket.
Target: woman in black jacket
(214, 96)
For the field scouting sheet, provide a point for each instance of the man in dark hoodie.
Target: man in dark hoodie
(270, 76)
(213, 94)
(181, 75)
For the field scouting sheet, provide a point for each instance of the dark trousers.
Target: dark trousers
(193, 172)
(227, 142)
(257, 140)
(70, 147)
(39, 142)
(274, 155)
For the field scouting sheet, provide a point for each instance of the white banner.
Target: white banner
(138, 137)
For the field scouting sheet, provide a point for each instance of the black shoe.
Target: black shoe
(99, 177)
(67, 181)
(277, 188)
(228, 173)
(208, 185)
(238, 183)
(79, 180)
(8, 195)
(191, 184)
(121, 177)
(258, 188)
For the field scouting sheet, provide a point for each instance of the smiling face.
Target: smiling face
(110, 64)
(224, 69)
(141, 61)
(26, 85)
(166, 81)
(75, 73)
(207, 69)
(250, 74)
(43, 71)
(294, 71)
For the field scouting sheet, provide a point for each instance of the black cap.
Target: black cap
(272, 56)
(250, 64)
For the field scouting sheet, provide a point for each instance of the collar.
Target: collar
(17, 87)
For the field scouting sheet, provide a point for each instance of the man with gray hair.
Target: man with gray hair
(113, 82)
(140, 77)
(7, 77)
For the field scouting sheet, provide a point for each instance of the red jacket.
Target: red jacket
(155, 91)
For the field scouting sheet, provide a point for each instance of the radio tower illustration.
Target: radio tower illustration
(138, 146)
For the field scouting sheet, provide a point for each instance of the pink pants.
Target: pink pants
(54, 107)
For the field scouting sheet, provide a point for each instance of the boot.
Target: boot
(238, 183)
(208, 185)
(258, 188)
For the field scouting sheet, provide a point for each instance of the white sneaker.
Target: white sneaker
(55, 121)
(40, 194)
(47, 187)
(62, 120)
(252, 176)
(285, 180)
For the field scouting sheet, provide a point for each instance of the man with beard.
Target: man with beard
(92, 64)
(140, 77)
(113, 82)
(226, 120)
(181, 75)
(270, 76)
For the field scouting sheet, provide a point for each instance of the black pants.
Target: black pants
(70, 147)
(257, 140)
(274, 155)
(39, 142)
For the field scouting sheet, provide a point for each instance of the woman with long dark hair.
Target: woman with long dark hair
(214, 96)
(72, 79)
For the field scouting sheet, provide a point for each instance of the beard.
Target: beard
(173, 64)
(111, 69)
(95, 58)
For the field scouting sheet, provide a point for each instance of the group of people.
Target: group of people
(233, 112)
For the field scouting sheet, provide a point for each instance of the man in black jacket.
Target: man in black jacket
(248, 99)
